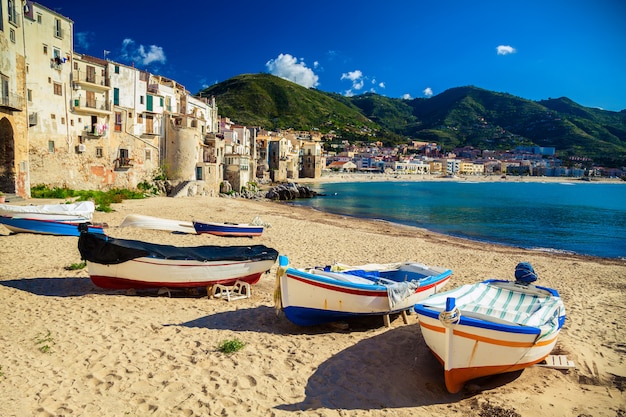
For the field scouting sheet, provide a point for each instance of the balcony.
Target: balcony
(12, 102)
(123, 164)
(57, 63)
(90, 82)
(82, 105)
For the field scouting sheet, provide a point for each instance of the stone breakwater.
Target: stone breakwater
(290, 191)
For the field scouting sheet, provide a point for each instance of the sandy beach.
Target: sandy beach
(69, 348)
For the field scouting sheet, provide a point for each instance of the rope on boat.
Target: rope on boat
(450, 318)
(278, 305)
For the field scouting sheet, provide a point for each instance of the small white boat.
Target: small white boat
(491, 327)
(49, 219)
(125, 264)
(157, 223)
(228, 229)
(312, 296)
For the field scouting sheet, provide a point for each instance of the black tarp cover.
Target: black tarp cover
(107, 250)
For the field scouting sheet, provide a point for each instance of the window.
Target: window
(148, 155)
(45, 49)
(12, 35)
(12, 12)
(118, 121)
(4, 89)
(58, 31)
(39, 18)
(124, 159)
(58, 89)
(116, 96)
(29, 94)
(99, 153)
(51, 146)
(141, 99)
(117, 69)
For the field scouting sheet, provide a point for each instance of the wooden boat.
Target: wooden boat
(228, 229)
(157, 223)
(49, 219)
(124, 264)
(490, 328)
(312, 296)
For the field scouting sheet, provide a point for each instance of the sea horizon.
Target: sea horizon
(564, 217)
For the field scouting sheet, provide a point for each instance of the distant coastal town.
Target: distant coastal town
(78, 121)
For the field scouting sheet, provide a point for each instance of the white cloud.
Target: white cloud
(406, 96)
(381, 84)
(428, 92)
(288, 67)
(357, 80)
(83, 40)
(505, 50)
(352, 75)
(142, 56)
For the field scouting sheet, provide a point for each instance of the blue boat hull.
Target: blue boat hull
(225, 229)
(46, 227)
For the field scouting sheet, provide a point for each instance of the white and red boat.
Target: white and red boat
(312, 296)
(125, 264)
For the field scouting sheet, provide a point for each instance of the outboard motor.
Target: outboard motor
(524, 273)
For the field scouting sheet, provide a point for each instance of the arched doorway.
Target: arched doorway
(7, 157)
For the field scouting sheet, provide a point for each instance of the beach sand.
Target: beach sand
(69, 348)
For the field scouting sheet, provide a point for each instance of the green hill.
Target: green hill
(462, 116)
(273, 103)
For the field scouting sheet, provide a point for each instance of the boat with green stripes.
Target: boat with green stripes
(491, 327)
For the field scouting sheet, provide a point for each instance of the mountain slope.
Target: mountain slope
(274, 103)
(462, 116)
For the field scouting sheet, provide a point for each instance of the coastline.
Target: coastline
(115, 354)
(362, 177)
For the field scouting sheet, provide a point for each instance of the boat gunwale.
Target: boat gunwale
(424, 284)
(484, 321)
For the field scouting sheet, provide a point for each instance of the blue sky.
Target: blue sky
(401, 49)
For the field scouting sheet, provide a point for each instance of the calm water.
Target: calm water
(577, 217)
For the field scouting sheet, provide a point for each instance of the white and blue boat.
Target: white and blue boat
(313, 296)
(491, 327)
(49, 219)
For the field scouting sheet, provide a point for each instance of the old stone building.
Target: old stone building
(76, 121)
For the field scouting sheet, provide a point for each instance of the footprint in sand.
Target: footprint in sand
(245, 382)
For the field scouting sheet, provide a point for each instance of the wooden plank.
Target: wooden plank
(557, 362)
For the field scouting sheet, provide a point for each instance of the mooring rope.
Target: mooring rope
(450, 318)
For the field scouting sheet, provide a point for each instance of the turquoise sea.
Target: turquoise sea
(576, 217)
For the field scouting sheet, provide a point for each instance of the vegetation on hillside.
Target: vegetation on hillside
(101, 199)
(463, 116)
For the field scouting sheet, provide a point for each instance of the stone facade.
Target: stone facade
(76, 121)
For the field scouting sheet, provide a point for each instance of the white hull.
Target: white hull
(495, 328)
(310, 299)
(153, 273)
(157, 223)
